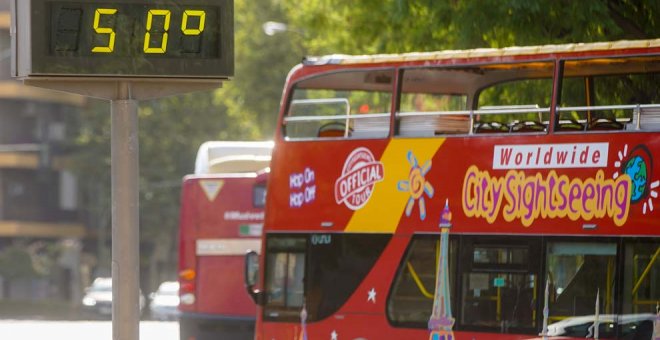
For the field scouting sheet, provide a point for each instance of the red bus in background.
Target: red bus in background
(465, 195)
(222, 210)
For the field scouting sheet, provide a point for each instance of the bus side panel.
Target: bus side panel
(218, 217)
(306, 191)
(590, 162)
(221, 282)
(187, 232)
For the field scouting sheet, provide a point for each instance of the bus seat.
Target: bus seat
(490, 127)
(570, 125)
(605, 124)
(332, 129)
(529, 126)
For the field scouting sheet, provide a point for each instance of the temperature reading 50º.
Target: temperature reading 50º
(155, 38)
(127, 38)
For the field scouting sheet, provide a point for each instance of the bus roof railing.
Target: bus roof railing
(643, 114)
(336, 117)
(608, 107)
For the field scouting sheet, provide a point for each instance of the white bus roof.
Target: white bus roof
(232, 156)
(482, 52)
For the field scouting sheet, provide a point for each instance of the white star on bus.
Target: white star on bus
(372, 295)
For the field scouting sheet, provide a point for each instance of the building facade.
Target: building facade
(40, 224)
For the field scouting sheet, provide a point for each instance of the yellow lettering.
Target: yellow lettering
(166, 26)
(482, 194)
(529, 198)
(184, 22)
(104, 30)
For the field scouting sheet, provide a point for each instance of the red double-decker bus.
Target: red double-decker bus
(477, 194)
(222, 211)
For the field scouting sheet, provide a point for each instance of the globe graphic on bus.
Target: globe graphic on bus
(636, 169)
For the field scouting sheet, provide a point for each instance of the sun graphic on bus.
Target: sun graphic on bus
(416, 185)
(638, 165)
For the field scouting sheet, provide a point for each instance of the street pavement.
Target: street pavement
(81, 330)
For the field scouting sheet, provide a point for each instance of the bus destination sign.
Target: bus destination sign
(144, 39)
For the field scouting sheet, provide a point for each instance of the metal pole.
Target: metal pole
(125, 217)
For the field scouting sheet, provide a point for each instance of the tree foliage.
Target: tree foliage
(395, 26)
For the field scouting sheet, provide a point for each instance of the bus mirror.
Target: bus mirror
(252, 274)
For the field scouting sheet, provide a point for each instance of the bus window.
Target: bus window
(285, 266)
(337, 265)
(515, 106)
(428, 104)
(508, 97)
(259, 195)
(577, 271)
(641, 278)
(499, 284)
(608, 94)
(321, 270)
(411, 300)
(352, 104)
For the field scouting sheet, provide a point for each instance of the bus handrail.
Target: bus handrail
(314, 101)
(608, 107)
(484, 111)
(646, 271)
(489, 111)
(418, 281)
(336, 117)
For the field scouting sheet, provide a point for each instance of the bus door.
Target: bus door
(499, 277)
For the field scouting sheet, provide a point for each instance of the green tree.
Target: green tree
(396, 26)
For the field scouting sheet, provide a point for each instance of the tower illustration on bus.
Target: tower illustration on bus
(467, 194)
(222, 210)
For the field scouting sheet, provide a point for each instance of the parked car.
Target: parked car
(97, 301)
(627, 326)
(164, 303)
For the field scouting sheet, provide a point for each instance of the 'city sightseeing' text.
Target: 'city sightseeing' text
(528, 197)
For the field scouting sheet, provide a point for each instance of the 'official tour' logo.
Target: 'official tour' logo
(360, 173)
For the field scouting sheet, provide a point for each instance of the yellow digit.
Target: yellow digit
(104, 30)
(166, 27)
(184, 23)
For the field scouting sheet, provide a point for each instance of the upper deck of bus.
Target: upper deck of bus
(557, 139)
(481, 56)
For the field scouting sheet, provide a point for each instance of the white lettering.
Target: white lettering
(295, 180)
(309, 176)
(550, 156)
(310, 194)
(244, 216)
(303, 188)
(296, 199)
